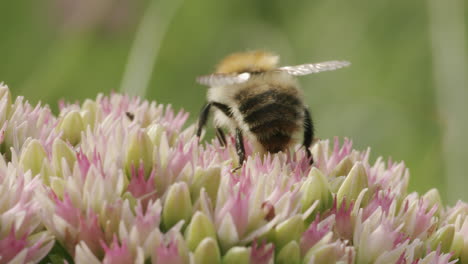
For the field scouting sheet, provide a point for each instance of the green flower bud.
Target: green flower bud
(432, 197)
(178, 205)
(458, 244)
(58, 186)
(354, 183)
(289, 230)
(322, 254)
(200, 227)
(88, 119)
(203, 203)
(71, 126)
(336, 183)
(459, 210)
(343, 168)
(237, 255)
(5, 92)
(155, 132)
(207, 178)
(140, 149)
(5, 96)
(127, 196)
(227, 233)
(290, 253)
(89, 112)
(268, 235)
(316, 187)
(32, 157)
(61, 150)
(207, 252)
(443, 237)
(464, 252)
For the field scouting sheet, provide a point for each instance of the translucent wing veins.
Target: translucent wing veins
(218, 79)
(305, 69)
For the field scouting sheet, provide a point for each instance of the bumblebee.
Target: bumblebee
(252, 96)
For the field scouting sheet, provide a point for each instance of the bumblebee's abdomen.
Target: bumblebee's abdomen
(273, 116)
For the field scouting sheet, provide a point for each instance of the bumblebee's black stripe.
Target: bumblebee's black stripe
(308, 129)
(224, 108)
(308, 133)
(271, 112)
(270, 127)
(252, 102)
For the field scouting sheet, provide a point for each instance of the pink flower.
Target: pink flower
(117, 254)
(417, 218)
(327, 162)
(316, 231)
(22, 237)
(261, 254)
(142, 188)
(132, 185)
(10, 246)
(85, 226)
(381, 199)
(344, 220)
(168, 253)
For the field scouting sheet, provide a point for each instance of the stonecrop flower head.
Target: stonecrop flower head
(23, 238)
(123, 180)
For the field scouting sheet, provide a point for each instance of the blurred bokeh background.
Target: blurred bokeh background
(405, 95)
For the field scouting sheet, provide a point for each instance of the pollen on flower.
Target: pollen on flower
(115, 189)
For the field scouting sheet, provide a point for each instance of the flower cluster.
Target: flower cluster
(121, 180)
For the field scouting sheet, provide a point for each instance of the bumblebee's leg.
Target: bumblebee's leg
(205, 112)
(221, 137)
(204, 117)
(308, 134)
(224, 108)
(219, 132)
(240, 148)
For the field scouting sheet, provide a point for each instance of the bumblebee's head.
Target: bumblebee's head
(250, 61)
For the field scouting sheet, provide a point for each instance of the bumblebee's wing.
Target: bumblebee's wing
(220, 79)
(305, 69)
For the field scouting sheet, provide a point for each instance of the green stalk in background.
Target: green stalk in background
(449, 70)
(144, 51)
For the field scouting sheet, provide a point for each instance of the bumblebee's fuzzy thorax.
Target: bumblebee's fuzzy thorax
(251, 61)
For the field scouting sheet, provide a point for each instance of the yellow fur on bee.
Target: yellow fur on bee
(250, 61)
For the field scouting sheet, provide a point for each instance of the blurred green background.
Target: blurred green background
(405, 95)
